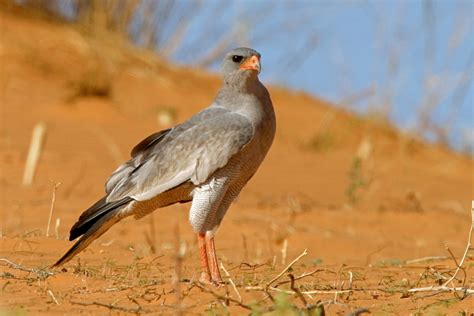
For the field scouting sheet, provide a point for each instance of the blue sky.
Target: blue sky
(385, 50)
(395, 57)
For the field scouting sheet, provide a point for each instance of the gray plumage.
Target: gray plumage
(207, 159)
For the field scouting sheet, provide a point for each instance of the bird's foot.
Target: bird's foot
(218, 282)
(205, 278)
(216, 277)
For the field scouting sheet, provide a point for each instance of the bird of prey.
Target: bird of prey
(208, 159)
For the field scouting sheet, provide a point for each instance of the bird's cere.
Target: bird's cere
(252, 63)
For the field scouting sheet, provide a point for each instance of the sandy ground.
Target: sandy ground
(365, 200)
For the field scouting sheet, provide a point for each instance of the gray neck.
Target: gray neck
(248, 97)
(241, 82)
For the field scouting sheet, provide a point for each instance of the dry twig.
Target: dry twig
(304, 253)
(34, 153)
(180, 252)
(432, 258)
(442, 289)
(219, 297)
(139, 309)
(296, 290)
(231, 282)
(50, 293)
(303, 275)
(41, 272)
(445, 287)
(51, 209)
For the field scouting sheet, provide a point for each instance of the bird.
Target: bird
(206, 160)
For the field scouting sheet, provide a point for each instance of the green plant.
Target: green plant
(322, 142)
(356, 180)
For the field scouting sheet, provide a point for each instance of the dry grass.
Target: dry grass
(296, 289)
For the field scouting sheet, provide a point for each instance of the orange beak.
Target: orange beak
(252, 63)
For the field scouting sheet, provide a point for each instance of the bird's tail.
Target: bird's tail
(94, 222)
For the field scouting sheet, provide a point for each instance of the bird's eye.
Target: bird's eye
(237, 58)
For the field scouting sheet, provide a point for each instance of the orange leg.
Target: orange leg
(205, 274)
(213, 266)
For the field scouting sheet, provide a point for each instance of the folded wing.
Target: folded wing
(191, 151)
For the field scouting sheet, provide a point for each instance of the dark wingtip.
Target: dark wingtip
(75, 232)
(89, 223)
(93, 214)
(66, 257)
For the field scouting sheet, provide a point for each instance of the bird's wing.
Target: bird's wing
(149, 142)
(190, 152)
(152, 144)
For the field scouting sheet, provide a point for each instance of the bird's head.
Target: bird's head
(241, 63)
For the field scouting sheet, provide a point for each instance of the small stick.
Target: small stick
(441, 289)
(153, 234)
(305, 274)
(444, 287)
(350, 279)
(296, 290)
(34, 153)
(231, 282)
(50, 293)
(310, 292)
(110, 306)
(17, 266)
(51, 209)
(284, 251)
(220, 297)
(180, 252)
(468, 246)
(456, 263)
(56, 227)
(432, 258)
(304, 253)
(246, 251)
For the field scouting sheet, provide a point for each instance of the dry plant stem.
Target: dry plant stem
(246, 251)
(50, 293)
(433, 258)
(220, 297)
(304, 253)
(302, 292)
(56, 228)
(34, 152)
(468, 246)
(458, 266)
(444, 287)
(178, 264)
(231, 282)
(296, 290)
(51, 209)
(17, 266)
(110, 306)
(284, 250)
(305, 274)
(151, 238)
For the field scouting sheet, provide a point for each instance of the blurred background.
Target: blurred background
(374, 105)
(407, 62)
